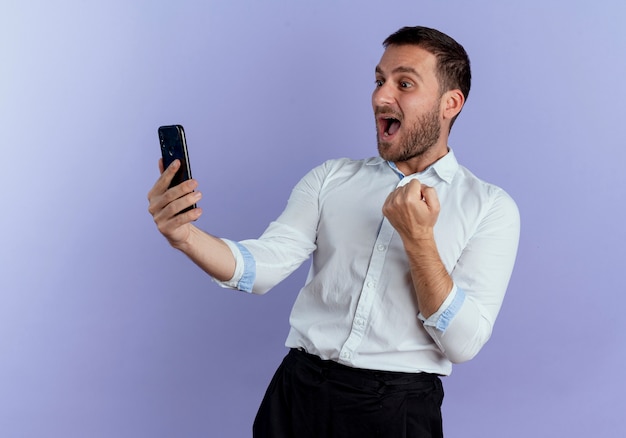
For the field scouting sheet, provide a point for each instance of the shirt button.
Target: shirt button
(381, 247)
(345, 355)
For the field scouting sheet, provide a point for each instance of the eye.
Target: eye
(379, 83)
(405, 84)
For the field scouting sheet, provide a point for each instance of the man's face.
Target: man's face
(407, 103)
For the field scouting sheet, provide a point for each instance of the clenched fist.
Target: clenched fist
(412, 210)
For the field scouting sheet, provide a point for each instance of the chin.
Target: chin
(391, 151)
(384, 150)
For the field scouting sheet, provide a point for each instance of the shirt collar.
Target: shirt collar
(445, 168)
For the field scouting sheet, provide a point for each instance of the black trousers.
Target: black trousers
(310, 397)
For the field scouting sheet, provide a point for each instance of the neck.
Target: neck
(421, 162)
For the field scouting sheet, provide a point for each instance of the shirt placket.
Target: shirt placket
(362, 314)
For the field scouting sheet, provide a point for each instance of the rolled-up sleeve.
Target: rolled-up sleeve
(286, 243)
(245, 268)
(464, 322)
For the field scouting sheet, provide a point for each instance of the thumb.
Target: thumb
(430, 198)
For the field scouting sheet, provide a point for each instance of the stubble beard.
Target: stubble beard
(422, 136)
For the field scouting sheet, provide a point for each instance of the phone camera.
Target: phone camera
(167, 147)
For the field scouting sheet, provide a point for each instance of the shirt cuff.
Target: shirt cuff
(245, 268)
(442, 318)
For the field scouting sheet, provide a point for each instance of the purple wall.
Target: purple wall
(107, 332)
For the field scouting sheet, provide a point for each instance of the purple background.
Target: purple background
(105, 331)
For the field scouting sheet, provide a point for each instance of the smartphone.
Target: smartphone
(174, 146)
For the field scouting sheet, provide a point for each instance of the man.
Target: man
(412, 255)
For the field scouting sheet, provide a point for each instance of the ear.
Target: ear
(452, 102)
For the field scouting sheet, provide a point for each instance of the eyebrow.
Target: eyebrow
(401, 69)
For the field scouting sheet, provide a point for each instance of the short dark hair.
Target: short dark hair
(453, 64)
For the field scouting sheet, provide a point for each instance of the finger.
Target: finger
(163, 183)
(387, 204)
(189, 216)
(160, 200)
(429, 195)
(169, 220)
(160, 196)
(168, 227)
(412, 186)
(168, 174)
(395, 202)
(181, 203)
(411, 192)
(161, 167)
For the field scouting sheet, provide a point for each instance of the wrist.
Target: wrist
(419, 236)
(185, 244)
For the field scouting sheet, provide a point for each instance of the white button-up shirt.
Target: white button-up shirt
(358, 306)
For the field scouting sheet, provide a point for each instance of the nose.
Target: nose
(383, 95)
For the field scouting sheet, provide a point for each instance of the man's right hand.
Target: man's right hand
(166, 202)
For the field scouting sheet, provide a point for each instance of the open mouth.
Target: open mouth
(388, 125)
(388, 122)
